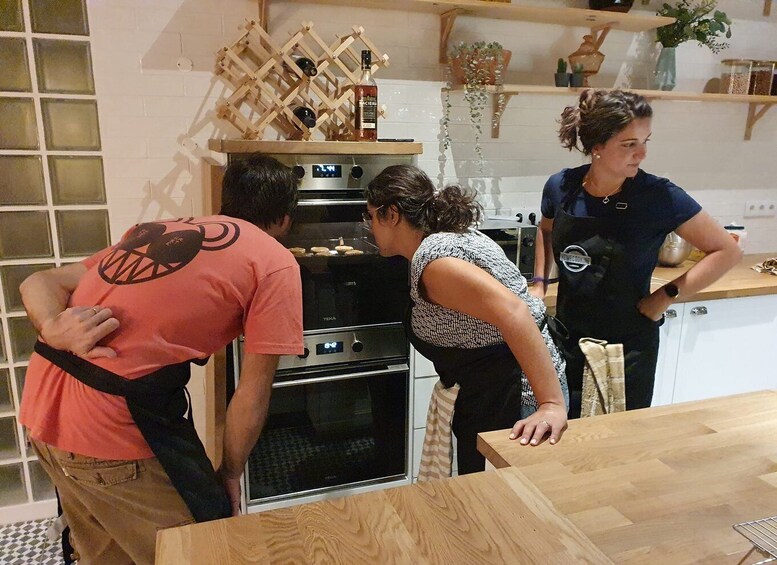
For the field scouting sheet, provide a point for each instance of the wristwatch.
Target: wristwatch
(671, 290)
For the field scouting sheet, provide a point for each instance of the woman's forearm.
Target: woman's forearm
(709, 269)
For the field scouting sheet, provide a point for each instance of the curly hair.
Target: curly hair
(599, 115)
(453, 209)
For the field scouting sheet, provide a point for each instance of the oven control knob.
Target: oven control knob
(305, 354)
(357, 346)
(357, 172)
(299, 171)
(527, 242)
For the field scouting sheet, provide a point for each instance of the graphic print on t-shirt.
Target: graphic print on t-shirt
(149, 251)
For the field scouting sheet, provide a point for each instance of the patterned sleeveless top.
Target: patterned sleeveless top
(443, 327)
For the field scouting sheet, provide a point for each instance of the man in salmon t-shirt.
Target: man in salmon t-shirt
(103, 400)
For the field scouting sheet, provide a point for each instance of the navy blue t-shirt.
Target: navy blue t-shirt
(656, 207)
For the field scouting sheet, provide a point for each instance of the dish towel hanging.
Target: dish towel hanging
(604, 385)
(437, 451)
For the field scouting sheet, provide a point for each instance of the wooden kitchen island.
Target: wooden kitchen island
(490, 518)
(660, 485)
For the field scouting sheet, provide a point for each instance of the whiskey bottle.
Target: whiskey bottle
(366, 102)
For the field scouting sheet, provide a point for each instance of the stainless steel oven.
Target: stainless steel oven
(517, 240)
(339, 413)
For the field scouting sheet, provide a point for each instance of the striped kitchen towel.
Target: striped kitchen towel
(604, 378)
(437, 451)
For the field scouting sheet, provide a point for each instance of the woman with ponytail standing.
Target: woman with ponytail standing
(603, 223)
(471, 314)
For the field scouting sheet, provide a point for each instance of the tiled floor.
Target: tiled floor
(25, 543)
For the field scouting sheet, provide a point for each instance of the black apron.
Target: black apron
(597, 297)
(490, 393)
(158, 404)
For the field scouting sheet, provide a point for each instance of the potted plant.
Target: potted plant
(577, 78)
(475, 66)
(561, 76)
(695, 20)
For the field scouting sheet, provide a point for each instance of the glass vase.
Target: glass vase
(665, 76)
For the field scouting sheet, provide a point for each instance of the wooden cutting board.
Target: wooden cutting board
(490, 518)
(660, 485)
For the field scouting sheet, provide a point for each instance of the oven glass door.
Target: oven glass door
(331, 429)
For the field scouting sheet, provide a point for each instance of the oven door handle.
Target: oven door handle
(322, 201)
(333, 378)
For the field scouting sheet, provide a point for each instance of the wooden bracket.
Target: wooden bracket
(767, 8)
(264, 7)
(753, 115)
(498, 112)
(447, 20)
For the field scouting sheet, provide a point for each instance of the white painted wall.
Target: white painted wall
(150, 111)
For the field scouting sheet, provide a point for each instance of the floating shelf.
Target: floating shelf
(316, 147)
(759, 105)
(448, 10)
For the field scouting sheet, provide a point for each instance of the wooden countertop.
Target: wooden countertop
(739, 281)
(490, 518)
(663, 484)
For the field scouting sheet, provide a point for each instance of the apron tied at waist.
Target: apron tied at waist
(158, 404)
(604, 387)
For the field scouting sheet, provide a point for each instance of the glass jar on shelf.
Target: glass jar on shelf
(735, 76)
(761, 76)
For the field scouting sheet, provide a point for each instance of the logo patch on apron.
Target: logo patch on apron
(575, 258)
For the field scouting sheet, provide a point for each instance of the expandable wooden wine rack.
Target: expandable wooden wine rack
(268, 84)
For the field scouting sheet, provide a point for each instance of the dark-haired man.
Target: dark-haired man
(104, 402)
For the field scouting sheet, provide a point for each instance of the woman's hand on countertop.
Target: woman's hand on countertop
(549, 419)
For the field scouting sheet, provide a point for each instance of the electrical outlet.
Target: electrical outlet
(527, 215)
(760, 208)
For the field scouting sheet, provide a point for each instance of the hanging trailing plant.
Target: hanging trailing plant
(475, 66)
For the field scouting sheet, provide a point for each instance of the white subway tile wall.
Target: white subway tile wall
(155, 118)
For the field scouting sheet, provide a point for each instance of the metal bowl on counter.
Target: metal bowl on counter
(673, 251)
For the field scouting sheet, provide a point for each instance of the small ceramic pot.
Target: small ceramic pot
(562, 79)
(576, 80)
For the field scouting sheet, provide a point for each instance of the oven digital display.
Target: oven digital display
(329, 347)
(327, 171)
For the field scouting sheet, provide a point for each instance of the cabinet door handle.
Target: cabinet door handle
(699, 311)
(671, 313)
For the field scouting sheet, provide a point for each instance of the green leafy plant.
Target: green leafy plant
(694, 23)
(481, 63)
(561, 68)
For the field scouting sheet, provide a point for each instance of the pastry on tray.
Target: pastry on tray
(354, 252)
(319, 250)
(324, 254)
(297, 250)
(343, 248)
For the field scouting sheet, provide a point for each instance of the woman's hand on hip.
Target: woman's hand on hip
(550, 420)
(654, 305)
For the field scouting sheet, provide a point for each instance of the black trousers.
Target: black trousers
(640, 359)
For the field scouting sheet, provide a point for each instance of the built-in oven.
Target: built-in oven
(339, 413)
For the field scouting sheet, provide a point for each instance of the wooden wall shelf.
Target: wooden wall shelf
(449, 10)
(759, 105)
(316, 147)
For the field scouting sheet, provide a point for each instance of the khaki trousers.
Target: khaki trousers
(114, 508)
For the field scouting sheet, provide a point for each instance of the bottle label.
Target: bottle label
(368, 110)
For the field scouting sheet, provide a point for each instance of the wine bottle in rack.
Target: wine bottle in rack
(307, 66)
(366, 102)
(305, 115)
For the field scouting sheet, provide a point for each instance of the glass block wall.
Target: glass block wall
(52, 195)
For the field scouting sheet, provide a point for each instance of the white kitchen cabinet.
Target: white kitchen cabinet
(669, 347)
(727, 347)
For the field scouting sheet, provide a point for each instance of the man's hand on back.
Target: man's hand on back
(79, 330)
